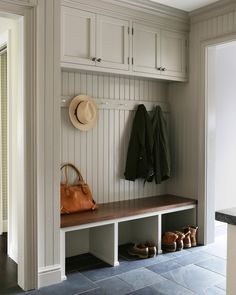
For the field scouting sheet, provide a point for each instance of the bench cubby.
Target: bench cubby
(100, 232)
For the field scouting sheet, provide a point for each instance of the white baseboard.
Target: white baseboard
(4, 226)
(49, 275)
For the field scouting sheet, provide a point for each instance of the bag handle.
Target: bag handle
(79, 176)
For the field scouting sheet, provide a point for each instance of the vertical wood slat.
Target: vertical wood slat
(101, 152)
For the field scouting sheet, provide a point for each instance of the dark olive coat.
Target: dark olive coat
(139, 162)
(161, 150)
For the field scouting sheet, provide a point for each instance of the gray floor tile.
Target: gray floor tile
(215, 264)
(125, 266)
(193, 258)
(140, 278)
(219, 248)
(222, 285)
(164, 287)
(194, 277)
(76, 283)
(115, 286)
(97, 291)
(164, 267)
(211, 291)
(145, 291)
(167, 287)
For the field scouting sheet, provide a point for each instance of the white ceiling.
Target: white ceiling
(187, 5)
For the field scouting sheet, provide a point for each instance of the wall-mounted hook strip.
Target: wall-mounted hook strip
(116, 104)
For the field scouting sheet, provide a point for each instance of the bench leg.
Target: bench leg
(63, 258)
(103, 243)
(159, 232)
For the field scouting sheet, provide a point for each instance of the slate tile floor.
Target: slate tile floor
(199, 270)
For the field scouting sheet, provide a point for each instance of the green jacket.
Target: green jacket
(139, 162)
(161, 150)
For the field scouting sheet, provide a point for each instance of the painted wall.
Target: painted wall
(12, 26)
(225, 123)
(186, 105)
(101, 152)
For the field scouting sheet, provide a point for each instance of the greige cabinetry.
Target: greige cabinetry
(117, 44)
(159, 51)
(94, 40)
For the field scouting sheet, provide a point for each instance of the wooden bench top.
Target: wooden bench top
(116, 210)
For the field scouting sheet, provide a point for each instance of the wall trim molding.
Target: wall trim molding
(152, 8)
(141, 10)
(29, 3)
(49, 274)
(212, 10)
(27, 219)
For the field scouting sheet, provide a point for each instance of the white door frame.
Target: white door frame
(206, 208)
(27, 248)
(3, 41)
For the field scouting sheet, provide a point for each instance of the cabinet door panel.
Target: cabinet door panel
(173, 53)
(146, 49)
(112, 42)
(78, 36)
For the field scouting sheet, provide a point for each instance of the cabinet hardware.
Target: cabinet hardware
(94, 58)
(128, 30)
(99, 59)
(159, 68)
(128, 60)
(132, 60)
(163, 69)
(132, 31)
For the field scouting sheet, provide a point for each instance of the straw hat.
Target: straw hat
(83, 112)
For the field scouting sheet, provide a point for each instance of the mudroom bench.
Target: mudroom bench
(119, 222)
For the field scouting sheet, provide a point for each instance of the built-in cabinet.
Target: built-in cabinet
(94, 40)
(99, 42)
(159, 51)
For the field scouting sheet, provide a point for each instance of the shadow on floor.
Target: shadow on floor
(8, 270)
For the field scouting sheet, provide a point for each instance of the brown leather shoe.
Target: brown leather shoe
(193, 233)
(168, 243)
(140, 251)
(152, 249)
(179, 241)
(187, 239)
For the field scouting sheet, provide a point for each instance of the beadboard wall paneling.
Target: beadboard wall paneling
(101, 152)
(187, 113)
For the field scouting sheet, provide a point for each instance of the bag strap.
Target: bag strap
(79, 176)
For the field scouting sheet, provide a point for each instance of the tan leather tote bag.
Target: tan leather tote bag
(76, 197)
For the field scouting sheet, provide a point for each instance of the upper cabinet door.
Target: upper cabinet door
(146, 49)
(112, 43)
(77, 36)
(173, 54)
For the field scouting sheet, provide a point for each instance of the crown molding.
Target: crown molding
(152, 8)
(29, 3)
(136, 10)
(215, 9)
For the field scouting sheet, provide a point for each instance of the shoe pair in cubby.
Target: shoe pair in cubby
(179, 240)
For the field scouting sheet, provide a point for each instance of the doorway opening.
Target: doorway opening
(11, 147)
(220, 105)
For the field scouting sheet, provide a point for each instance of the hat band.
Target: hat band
(76, 113)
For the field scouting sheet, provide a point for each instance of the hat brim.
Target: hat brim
(72, 108)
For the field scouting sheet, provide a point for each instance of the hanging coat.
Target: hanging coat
(161, 149)
(139, 163)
